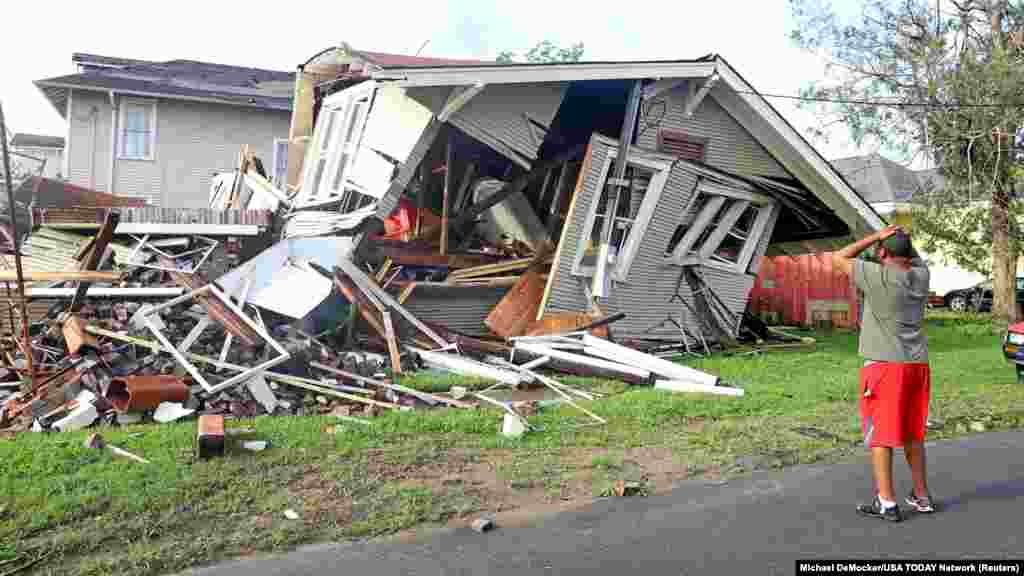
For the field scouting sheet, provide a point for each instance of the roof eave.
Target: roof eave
(530, 73)
(41, 84)
(808, 153)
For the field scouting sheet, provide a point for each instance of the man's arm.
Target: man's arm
(844, 258)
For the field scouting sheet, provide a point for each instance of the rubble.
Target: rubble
(439, 241)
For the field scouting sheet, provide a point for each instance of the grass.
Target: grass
(94, 513)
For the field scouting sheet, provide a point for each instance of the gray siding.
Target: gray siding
(730, 146)
(646, 294)
(497, 116)
(462, 309)
(193, 140)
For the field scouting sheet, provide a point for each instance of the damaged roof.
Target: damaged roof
(177, 79)
(736, 96)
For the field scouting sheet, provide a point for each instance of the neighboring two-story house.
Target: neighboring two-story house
(37, 154)
(889, 187)
(160, 130)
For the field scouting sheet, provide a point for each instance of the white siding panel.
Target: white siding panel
(730, 146)
(193, 141)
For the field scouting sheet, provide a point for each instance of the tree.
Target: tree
(546, 51)
(952, 79)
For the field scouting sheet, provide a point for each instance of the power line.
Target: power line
(879, 102)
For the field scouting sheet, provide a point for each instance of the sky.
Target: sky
(751, 34)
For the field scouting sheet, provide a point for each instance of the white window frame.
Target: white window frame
(619, 269)
(280, 181)
(125, 102)
(683, 253)
(329, 145)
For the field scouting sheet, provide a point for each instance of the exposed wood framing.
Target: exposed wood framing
(69, 276)
(696, 95)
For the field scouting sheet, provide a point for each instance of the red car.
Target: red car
(1013, 348)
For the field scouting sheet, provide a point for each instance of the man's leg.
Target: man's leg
(916, 460)
(881, 462)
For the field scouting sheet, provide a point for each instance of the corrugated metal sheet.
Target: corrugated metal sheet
(649, 296)
(47, 250)
(799, 290)
(153, 215)
(459, 308)
(512, 117)
(730, 146)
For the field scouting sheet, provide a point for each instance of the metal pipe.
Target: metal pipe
(17, 254)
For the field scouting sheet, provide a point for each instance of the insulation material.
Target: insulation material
(512, 219)
(295, 291)
(395, 123)
(513, 119)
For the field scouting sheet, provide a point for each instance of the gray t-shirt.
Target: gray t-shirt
(892, 327)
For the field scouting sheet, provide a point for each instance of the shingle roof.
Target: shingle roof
(23, 140)
(185, 79)
(879, 179)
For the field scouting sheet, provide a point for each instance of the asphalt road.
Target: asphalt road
(757, 525)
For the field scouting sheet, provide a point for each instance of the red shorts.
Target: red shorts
(894, 403)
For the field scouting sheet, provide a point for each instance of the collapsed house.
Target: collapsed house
(526, 155)
(481, 219)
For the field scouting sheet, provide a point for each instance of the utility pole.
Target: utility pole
(22, 304)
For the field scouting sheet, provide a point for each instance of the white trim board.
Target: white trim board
(521, 74)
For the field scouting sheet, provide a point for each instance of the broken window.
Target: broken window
(644, 180)
(722, 227)
(337, 137)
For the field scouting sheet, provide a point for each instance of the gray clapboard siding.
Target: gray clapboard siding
(646, 294)
(730, 146)
(193, 140)
(459, 308)
(497, 116)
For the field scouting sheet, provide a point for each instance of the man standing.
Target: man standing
(895, 379)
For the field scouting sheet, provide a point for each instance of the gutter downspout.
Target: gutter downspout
(113, 143)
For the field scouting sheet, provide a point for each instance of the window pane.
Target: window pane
(317, 176)
(688, 219)
(350, 133)
(340, 174)
(329, 130)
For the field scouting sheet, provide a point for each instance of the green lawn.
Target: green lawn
(94, 513)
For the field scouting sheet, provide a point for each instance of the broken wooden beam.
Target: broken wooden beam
(605, 349)
(92, 260)
(425, 396)
(413, 257)
(214, 308)
(580, 365)
(64, 276)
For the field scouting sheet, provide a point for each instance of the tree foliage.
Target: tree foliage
(952, 76)
(545, 51)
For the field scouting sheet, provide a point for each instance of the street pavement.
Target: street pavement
(760, 524)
